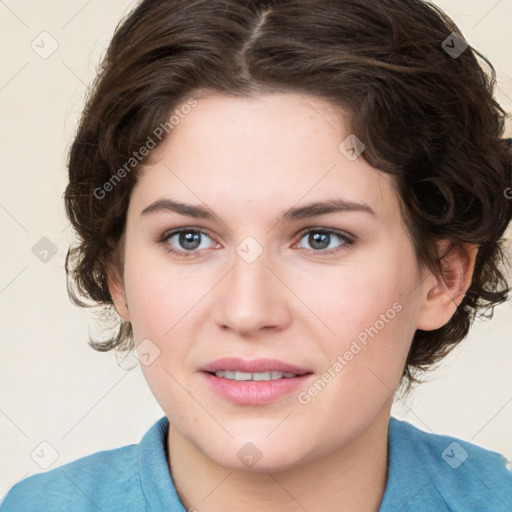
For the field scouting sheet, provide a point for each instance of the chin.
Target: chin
(264, 465)
(256, 457)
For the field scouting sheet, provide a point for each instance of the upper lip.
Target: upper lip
(252, 366)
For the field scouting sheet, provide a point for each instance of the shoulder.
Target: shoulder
(461, 473)
(101, 481)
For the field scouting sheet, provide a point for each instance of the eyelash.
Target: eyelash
(348, 241)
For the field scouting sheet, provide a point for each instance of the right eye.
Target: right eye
(188, 238)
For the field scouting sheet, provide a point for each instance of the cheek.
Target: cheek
(369, 311)
(160, 294)
(348, 299)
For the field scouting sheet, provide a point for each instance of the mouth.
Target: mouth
(255, 382)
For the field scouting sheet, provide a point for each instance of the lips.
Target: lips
(235, 364)
(255, 383)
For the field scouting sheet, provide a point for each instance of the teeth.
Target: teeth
(257, 376)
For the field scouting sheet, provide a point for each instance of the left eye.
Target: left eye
(320, 240)
(191, 240)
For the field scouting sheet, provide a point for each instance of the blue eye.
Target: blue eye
(191, 241)
(320, 240)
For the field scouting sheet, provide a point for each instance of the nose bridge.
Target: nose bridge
(250, 263)
(251, 297)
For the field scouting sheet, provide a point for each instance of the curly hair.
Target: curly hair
(427, 116)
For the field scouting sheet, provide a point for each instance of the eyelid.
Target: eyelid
(171, 232)
(326, 229)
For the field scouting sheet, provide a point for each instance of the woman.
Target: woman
(294, 207)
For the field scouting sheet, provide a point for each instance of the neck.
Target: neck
(351, 478)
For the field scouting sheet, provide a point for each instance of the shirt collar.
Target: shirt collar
(409, 485)
(407, 481)
(156, 480)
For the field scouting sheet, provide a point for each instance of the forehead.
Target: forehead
(267, 151)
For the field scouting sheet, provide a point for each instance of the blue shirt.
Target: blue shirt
(426, 473)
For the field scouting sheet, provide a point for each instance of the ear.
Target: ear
(443, 294)
(117, 291)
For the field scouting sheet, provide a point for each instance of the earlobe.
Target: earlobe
(443, 294)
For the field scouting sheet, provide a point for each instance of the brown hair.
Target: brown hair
(426, 117)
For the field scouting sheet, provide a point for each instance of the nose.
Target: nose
(252, 297)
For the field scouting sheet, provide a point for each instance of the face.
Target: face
(336, 294)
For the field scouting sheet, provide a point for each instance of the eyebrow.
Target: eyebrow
(307, 211)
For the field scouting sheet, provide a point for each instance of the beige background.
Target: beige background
(53, 387)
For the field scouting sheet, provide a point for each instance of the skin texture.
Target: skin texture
(249, 160)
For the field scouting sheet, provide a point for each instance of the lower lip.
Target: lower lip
(250, 392)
